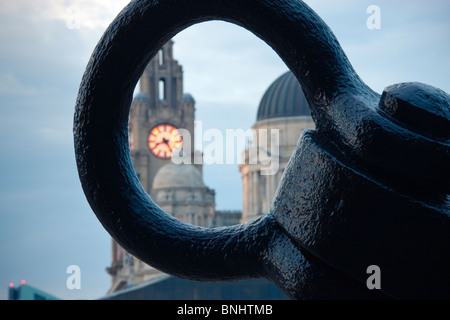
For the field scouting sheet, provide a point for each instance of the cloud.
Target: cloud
(84, 14)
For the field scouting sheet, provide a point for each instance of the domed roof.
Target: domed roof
(141, 96)
(284, 98)
(187, 97)
(178, 176)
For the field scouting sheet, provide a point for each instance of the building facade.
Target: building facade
(180, 191)
(283, 114)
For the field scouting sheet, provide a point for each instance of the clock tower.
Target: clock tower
(158, 113)
(161, 115)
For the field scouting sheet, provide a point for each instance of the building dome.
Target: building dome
(178, 176)
(141, 96)
(186, 97)
(284, 98)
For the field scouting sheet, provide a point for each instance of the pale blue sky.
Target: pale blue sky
(45, 221)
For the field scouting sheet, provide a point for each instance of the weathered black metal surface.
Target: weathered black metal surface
(369, 186)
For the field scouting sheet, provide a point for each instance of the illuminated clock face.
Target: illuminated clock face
(163, 139)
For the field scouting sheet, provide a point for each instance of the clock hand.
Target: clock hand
(165, 141)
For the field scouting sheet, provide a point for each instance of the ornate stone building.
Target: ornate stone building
(284, 112)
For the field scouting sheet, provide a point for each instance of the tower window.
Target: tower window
(162, 89)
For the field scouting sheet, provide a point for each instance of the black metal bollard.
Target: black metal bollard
(368, 187)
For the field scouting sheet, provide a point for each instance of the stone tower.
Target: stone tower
(157, 113)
